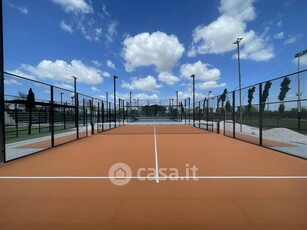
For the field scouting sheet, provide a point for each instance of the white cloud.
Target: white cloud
(157, 49)
(279, 24)
(201, 70)
(279, 35)
(20, 73)
(59, 70)
(148, 83)
(93, 88)
(111, 31)
(11, 82)
(188, 94)
(242, 10)
(255, 50)
(168, 78)
(209, 85)
(21, 9)
(97, 63)
(110, 64)
(84, 19)
(106, 74)
(65, 27)
(219, 35)
(144, 96)
(64, 86)
(75, 6)
(104, 10)
(303, 61)
(89, 29)
(291, 39)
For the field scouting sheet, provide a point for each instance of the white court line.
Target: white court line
(152, 178)
(156, 155)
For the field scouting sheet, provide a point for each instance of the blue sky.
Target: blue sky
(153, 46)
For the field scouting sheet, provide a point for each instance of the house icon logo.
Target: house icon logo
(120, 174)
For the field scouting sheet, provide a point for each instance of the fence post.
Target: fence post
(2, 100)
(39, 120)
(123, 112)
(64, 115)
(199, 114)
(16, 119)
(102, 112)
(77, 113)
(185, 111)
(208, 114)
(260, 114)
(30, 118)
(86, 127)
(51, 116)
(234, 114)
(84, 112)
(110, 115)
(189, 110)
(98, 113)
(91, 116)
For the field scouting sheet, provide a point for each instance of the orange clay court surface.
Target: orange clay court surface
(53, 196)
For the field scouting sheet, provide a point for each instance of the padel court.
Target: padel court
(236, 185)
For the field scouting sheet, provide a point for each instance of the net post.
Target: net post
(2, 100)
(234, 114)
(260, 114)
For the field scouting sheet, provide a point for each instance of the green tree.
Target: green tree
(250, 96)
(30, 100)
(228, 106)
(223, 97)
(218, 104)
(265, 94)
(284, 88)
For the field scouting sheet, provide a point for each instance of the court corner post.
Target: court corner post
(2, 107)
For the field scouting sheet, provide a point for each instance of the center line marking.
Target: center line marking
(156, 156)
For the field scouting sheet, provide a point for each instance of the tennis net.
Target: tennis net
(149, 127)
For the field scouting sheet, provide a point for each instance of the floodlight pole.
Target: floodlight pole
(299, 105)
(193, 77)
(114, 78)
(2, 107)
(237, 42)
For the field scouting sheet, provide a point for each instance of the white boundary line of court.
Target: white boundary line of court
(156, 155)
(151, 178)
